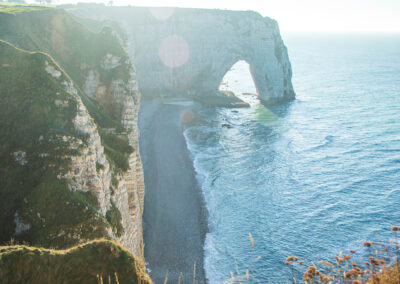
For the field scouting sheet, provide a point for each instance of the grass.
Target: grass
(382, 266)
(14, 8)
(379, 263)
(99, 259)
(391, 275)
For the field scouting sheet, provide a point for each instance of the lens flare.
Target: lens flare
(174, 51)
(187, 116)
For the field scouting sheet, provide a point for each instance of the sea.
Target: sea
(310, 178)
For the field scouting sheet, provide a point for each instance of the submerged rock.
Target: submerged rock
(226, 125)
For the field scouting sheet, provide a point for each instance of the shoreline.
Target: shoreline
(175, 216)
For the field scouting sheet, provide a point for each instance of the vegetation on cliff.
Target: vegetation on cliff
(88, 263)
(378, 263)
(81, 53)
(63, 96)
(13, 8)
(36, 124)
(62, 93)
(36, 131)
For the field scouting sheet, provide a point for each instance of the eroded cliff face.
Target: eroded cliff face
(85, 125)
(187, 52)
(91, 171)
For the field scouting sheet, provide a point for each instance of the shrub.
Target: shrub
(113, 217)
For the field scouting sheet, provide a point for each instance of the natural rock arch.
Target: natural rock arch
(186, 52)
(229, 83)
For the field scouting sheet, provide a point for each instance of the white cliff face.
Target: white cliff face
(189, 51)
(90, 171)
(129, 197)
(110, 62)
(92, 84)
(20, 158)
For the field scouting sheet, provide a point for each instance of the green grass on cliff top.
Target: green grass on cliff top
(13, 8)
(79, 264)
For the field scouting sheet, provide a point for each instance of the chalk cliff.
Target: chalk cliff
(187, 52)
(76, 175)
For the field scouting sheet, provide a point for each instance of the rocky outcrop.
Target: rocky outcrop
(187, 52)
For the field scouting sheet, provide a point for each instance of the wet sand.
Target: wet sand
(174, 216)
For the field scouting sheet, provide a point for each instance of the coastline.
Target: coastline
(174, 218)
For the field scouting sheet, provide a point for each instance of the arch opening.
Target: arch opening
(240, 81)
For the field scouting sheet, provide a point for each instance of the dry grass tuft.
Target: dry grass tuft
(344, 269)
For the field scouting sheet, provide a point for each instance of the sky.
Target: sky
(300, 15)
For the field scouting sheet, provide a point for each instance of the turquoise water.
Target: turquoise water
(310, 178)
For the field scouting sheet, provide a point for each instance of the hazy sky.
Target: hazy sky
(301, 15)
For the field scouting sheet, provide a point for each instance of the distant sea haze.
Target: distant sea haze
(309, 178)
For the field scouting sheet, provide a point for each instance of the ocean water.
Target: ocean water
(309, 178)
